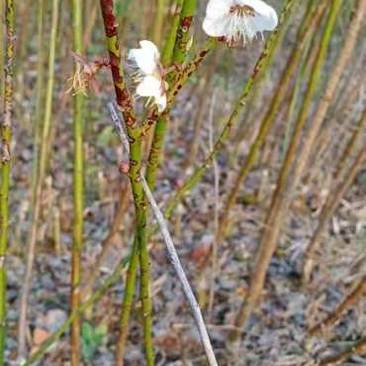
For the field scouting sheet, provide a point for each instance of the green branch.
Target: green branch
(125, 104)
(6, 137)
(78, 183)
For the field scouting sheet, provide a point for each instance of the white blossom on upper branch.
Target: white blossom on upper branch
(238, 20)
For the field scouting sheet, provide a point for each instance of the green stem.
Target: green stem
(78, 183)
(310, 48)
(182, 37)
(178, 79)
(141, 219)
(158, 23)
(157, 146)
(168, 50)
(2, 52)
(145, 294)
(129, 291)
(124, 102)
(156, 152)
(6, 137)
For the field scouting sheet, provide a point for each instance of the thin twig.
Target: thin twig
(172, 253)
(119, 127)
(216, 170)
(174, 259)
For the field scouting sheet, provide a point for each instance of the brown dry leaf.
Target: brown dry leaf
(39, 336)
(242, 292)
(200, 254)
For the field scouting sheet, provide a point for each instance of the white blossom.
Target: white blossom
(238, 20)
(150, 73)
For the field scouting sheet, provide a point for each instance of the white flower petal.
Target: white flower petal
(147, 57)
(151, 47)
(161, 102)
(216, 27)
(225, 18)
(266, 17)
(218, 8)
(150, 86)
(144, 60)
(266, 22)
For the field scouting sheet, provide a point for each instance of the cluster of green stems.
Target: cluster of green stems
(175, 52)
